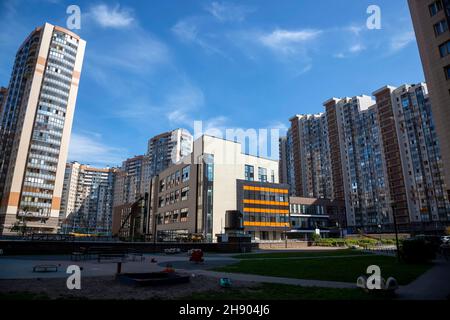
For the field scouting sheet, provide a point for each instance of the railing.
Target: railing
(59, 237)
(390, 250)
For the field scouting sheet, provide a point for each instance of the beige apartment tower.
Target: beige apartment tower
(431, 20)
(36, 123)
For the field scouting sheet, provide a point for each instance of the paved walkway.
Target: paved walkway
(432, 285)
(266, 279)
(21, 267)
(309, 258)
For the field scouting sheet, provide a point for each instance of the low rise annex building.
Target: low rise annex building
(190, 198)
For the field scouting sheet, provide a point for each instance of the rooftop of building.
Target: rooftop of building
(239, 143)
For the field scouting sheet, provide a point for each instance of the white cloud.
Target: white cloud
(355, 29)
(357, 48)
(400, 41)
(183, 104)
(139, 52)
(218, 123)
(278, 125)
(187, 30)
(288, 41)
(89, 149)
(304, 70)
(223, 11)
(111, 17)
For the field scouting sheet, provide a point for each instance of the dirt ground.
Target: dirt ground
(107, 288)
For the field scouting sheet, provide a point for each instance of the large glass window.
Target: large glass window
(249, 173)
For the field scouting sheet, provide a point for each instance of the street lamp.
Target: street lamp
(285, 231)
(393, 205)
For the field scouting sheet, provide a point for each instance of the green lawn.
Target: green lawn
(331, 269)
(330, 253)
(268, 291)
(23, 296)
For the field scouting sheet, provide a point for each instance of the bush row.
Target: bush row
(332, 242)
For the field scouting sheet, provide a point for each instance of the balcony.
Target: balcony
(39, 215)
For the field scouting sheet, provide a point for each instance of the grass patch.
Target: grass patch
(329, 269)
(330, 253)
(269, 291)
(23, 296)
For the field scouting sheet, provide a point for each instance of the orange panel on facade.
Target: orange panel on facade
(56, 203)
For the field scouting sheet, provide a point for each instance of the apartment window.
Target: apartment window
(444, 49)
(184, 193)
(272, 176)
(440, 27)
(162, 185)
(447, 72)
(185, 173)
(435, 7)
(175, 216)
(184, 214)
(262, 174)
(177, 177)
(249, 173)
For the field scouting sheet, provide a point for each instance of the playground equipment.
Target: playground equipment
(152, 279)
(196, 256)
(225, 282)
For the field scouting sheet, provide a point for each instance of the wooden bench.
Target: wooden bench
(45, 268)
(111, 256)
(78, 256)
(135, 256)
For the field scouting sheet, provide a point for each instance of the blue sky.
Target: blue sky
(152, 66)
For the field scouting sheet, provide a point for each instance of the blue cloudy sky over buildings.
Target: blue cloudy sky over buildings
(152, 66)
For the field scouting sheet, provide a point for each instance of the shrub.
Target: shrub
(316, 237)
(417, 250)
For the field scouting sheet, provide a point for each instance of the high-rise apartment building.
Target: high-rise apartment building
(384, 160)
(168, 148)
(363, 169)
(431, 19)
(164, 150)
(128, 181)
(3, 93)
(87, 201)
(311, 160)
(420, 154)
(36, 124)
(282, 162)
